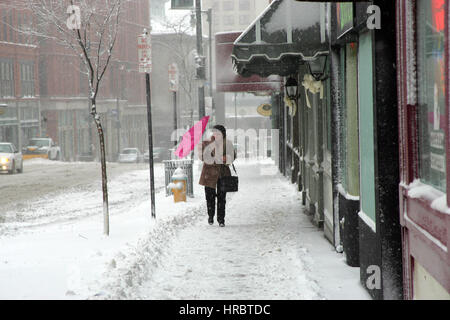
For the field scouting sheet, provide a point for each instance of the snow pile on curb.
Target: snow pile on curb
(131, 266)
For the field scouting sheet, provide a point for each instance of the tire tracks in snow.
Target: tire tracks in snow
(78, 202)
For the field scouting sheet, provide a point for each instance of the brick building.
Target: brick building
(19, 86)
(121, 103)
(46, 94)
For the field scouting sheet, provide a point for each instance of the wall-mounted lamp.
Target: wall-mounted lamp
(291, 86)
(317, 68)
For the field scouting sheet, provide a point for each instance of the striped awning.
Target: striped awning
(285, 35)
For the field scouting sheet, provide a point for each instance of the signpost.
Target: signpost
(173, 86)
(145, 66)
(173, 77)
(145, 53)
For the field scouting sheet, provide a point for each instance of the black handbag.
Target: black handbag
(228, 183)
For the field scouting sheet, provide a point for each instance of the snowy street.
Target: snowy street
(268, 250)
(50, 191)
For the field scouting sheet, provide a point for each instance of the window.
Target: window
(228, 20)
(228, 5)
(431, 92)
(19, 24)
(83, 79)
(11, 34)
(244, 5)
(27, 79)
(24, 24)
(6, 148)
(244, 20)
(216, 20)
(4, 35)
(4, 25)
(6, 78)
(26, 113)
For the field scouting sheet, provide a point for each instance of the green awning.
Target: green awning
(285, 35)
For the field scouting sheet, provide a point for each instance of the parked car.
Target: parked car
(11, 159)
(42, 148)
(159, 154)
(130, 155)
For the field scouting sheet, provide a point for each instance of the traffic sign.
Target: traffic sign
(145, 53)
(173, 77)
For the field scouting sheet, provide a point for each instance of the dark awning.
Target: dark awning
(285, 35)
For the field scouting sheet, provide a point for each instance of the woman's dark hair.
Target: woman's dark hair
(221, 129)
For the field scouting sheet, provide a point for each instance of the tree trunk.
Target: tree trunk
(103, 164)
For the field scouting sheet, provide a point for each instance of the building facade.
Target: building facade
(369, 141)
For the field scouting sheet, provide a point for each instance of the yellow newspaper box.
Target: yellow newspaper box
(178, 185)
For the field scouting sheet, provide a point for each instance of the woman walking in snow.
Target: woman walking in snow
(214, 168)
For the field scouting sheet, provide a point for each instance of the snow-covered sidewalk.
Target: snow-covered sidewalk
(268, 250)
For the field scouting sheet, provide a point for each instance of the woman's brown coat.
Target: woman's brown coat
(212, 172)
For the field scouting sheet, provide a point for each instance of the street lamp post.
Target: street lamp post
(201, 88)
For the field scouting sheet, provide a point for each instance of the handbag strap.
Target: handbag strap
(234, 168)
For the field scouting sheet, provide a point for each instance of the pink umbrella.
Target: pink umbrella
(191, 138)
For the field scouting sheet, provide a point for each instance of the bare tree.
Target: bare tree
(89, 28)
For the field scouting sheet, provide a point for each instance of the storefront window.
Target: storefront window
(351, 119)
(431, 89)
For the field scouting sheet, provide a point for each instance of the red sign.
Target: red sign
(438, 12)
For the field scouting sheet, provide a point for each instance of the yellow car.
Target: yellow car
(42, 148)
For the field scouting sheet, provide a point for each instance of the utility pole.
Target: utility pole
(200, 62)
(173, 86)
(210, 61)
